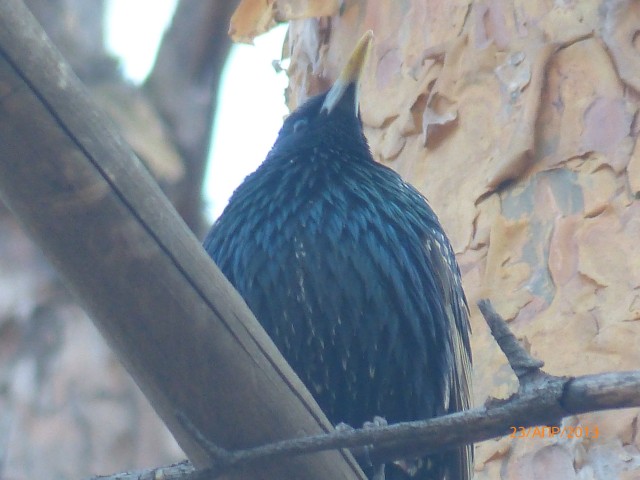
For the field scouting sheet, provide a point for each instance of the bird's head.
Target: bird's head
(327, 118)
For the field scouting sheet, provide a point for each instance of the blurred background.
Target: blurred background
(133, 32)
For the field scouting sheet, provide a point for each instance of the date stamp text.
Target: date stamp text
(579, 431)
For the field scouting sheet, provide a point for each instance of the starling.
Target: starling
(349, 271)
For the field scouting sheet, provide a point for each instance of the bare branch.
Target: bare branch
(178, 471)
(545, 406)
(602, 392)
(526, 368)
(542, 399)
(189, 61)
(520, 361)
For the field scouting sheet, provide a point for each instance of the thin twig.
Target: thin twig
(520, 361)
(218, 455)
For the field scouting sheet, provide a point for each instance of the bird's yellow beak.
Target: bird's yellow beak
(350, 74)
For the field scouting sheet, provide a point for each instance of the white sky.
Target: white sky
(250, 112)
(251, 98)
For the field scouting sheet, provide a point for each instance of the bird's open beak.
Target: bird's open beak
(350, 75)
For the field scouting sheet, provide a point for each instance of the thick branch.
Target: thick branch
(181, 330)
(184, 87)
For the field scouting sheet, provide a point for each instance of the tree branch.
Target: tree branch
(183, 86)
(542, 399)
(180, 329)
(546, 405)
(178, 471)
(520, 361)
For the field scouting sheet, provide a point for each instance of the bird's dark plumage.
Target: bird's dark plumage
(349, 271)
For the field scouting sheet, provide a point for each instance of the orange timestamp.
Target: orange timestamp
(579, 431)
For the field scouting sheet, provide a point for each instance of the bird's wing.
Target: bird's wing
(442, 259)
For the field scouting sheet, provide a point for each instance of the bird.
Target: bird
(349, 271)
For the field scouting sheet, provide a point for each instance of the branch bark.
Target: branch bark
(183, 86)
(183, 333)
(545, 405)
(542, 399)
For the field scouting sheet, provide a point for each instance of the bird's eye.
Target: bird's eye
(300, 125)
